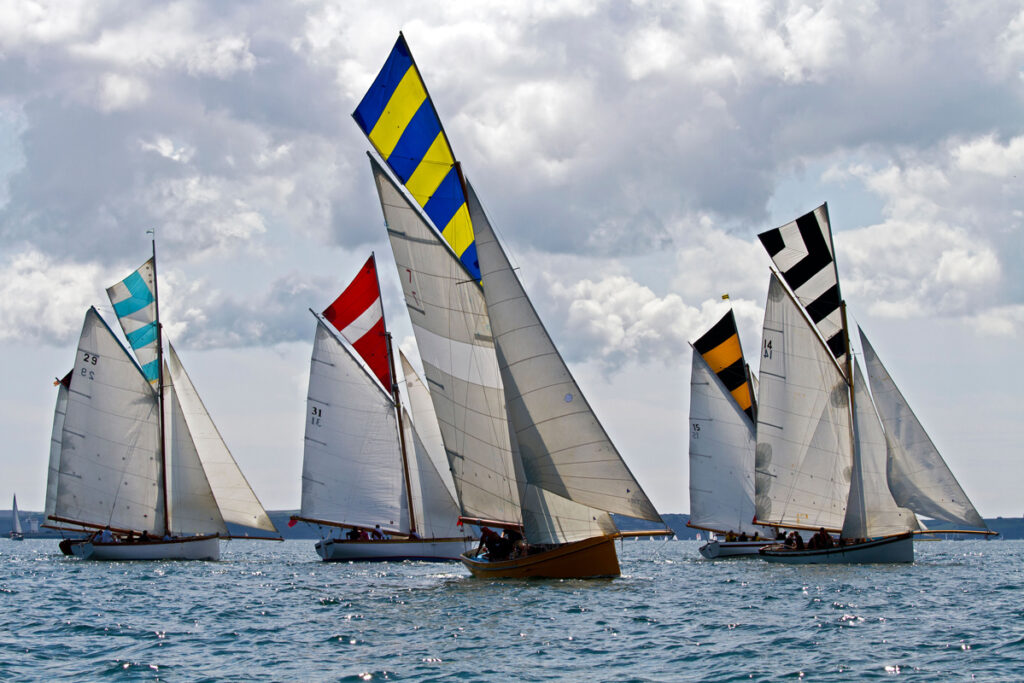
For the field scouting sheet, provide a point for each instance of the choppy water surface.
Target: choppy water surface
(273, 611)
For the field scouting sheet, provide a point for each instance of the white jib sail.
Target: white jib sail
(235, 498)
(352, 464)
(109, 464)
(804, 450)
(425, 420)
(193, 509)
(871, 511)
(453, 334)
(722, 445)
(437, 512)
(919, 478)
(563, 447)
(53, 470)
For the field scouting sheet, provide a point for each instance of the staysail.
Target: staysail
(803, 454)
(563, 447)
(449, 319)
(918, 476)
(57, 434)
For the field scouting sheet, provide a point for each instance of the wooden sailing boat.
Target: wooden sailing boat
(16, 532)
(526, 451)
(722, 441)
(138, 450)
(824, 459)
(366, 468)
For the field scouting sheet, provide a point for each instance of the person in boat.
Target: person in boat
(107, 536)
(743, 536)
(363, 536)
(352, 534)
(144, 537)
(489, 541)
(413, 536)
(131, 537)
(780, 535)
(377, 534)
(730, 536)
(167, 536)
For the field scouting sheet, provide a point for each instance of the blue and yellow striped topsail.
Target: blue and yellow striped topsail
(398, 117)
(134, 303)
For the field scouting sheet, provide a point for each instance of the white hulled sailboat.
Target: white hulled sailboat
(139, 457)
(16, 533)
(366, 467)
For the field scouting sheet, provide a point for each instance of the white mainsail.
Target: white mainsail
(449, 320)
(15, 519)
(53, 469)
(563, 447)
(803, 453)
(234, 497)
(871, 511)
(352, 463)
(722, 444)
(109, 461)
(918, 477)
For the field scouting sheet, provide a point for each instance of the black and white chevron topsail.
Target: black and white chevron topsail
(802, 251)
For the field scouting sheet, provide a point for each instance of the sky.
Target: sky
(627, 153)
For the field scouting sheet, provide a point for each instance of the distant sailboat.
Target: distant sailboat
(16, 532)
(722, 411)
(366, 467)
(138, 452)
(825, 458)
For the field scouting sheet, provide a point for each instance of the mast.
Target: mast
(160, 395)
(398, 410)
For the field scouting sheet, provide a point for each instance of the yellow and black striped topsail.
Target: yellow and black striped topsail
(720, 349)
(398, 117)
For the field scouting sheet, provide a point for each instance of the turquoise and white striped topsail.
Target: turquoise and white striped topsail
(134, 301)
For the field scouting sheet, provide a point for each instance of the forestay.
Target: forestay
(234, 498)
(722, 443)
(803, 456)
(918, 476)
(449, 320)
(352, 467)
(563, 447)
(871, 511)
(109, 464)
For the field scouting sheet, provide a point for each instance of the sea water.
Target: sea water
(273, 611)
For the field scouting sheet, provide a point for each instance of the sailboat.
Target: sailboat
(140, 459)
(16, 532)
(722, 413)
(831, 456)
(366, 467)
(527, 453)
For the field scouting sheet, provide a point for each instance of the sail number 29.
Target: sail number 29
(88, 359)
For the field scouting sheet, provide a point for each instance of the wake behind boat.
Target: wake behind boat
(139, 459)
(371, 470)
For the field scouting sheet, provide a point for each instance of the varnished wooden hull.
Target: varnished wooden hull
(587, 559)
(876, 551)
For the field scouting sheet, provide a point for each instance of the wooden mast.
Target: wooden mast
(160, 395)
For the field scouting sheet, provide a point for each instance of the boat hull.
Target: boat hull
(15, 536)
(590, 558)
(716, 550)
(393, 550)
(193, 548)
(887, 550)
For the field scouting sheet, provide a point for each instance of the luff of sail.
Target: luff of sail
(352, 462)
(56, 435)
(803, 455)
(563, 447)
(109, 466)
(871, 511)
(722, 444)
(233, 497)
(449, 319)
(918, 477)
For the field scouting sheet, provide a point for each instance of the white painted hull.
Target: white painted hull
(716, 550)
(394, 550)
(195, 548)
(879, 551)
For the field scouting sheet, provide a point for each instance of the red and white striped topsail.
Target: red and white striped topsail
(359, 316)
